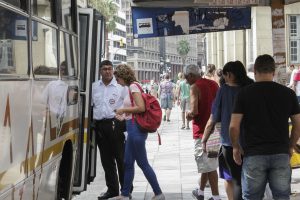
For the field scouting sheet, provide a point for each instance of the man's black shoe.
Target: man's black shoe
(107, 195)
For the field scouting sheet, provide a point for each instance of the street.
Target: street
(174, 164)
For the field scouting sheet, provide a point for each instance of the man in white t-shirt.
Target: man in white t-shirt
(293, 70)
(296, 84)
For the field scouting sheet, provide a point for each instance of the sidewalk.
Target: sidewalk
(174, 164)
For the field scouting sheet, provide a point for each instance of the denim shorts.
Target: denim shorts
(166, 102)
(185, 105)
(260, 169)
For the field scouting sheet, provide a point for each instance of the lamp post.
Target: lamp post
(167, 66)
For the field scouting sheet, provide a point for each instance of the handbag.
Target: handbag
(213, 143)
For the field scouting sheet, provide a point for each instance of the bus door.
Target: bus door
(89, 28)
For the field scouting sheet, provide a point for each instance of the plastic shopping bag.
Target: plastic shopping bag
(295, 160)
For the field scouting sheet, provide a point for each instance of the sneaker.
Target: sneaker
(168, 120)
(187, 128)
(119, 198)
(159, 197)
(182, 127)
(196, 195)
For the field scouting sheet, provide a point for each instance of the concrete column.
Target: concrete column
(239, 44)
(262, 27)
(209, 47)
(214, 48)
(225, 47)
(220, 50)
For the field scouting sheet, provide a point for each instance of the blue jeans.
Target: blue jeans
(135, 150)
(258, 170)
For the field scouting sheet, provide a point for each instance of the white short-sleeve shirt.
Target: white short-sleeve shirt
(127, 102)
(107, 98)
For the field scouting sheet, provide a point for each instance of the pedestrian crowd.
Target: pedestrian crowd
(251, 119)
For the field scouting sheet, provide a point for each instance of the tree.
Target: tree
(183, 48)
(109, 10)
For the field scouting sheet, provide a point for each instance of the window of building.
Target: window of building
(294, 38)
(117, 44)
(120, 20)
(120, 57)
(120, 33)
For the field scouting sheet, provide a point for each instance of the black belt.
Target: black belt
(104, 120)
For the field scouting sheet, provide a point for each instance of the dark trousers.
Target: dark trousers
(110, 141)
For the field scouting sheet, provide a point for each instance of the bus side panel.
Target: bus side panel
(14, 132)
(55, 122)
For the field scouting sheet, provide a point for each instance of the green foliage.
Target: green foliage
(108, 9)
(183, 49)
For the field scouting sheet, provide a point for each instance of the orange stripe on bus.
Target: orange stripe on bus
(18, 172)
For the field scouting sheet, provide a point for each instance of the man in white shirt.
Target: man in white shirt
(296, 84)
(107, 96)
(293, 70)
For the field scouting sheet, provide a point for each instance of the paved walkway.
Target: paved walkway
(174, 164)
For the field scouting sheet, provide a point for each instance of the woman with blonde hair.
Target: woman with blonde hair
(210, 73)
(135, 149)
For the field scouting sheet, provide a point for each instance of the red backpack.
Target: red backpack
(148, 121)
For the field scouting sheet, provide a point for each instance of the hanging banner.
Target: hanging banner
(157, 22)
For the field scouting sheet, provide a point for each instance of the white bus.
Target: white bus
(49, 56)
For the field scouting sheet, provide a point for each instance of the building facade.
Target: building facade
(117, 39)
(266, 36)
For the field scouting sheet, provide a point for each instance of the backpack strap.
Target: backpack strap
(131, 97)
(131, 100)
(130, 94)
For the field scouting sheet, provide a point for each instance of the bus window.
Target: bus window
(18, 3)
(67, 15)
(68, 55)
(13, 44)
(44, 51)
(43, 9)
